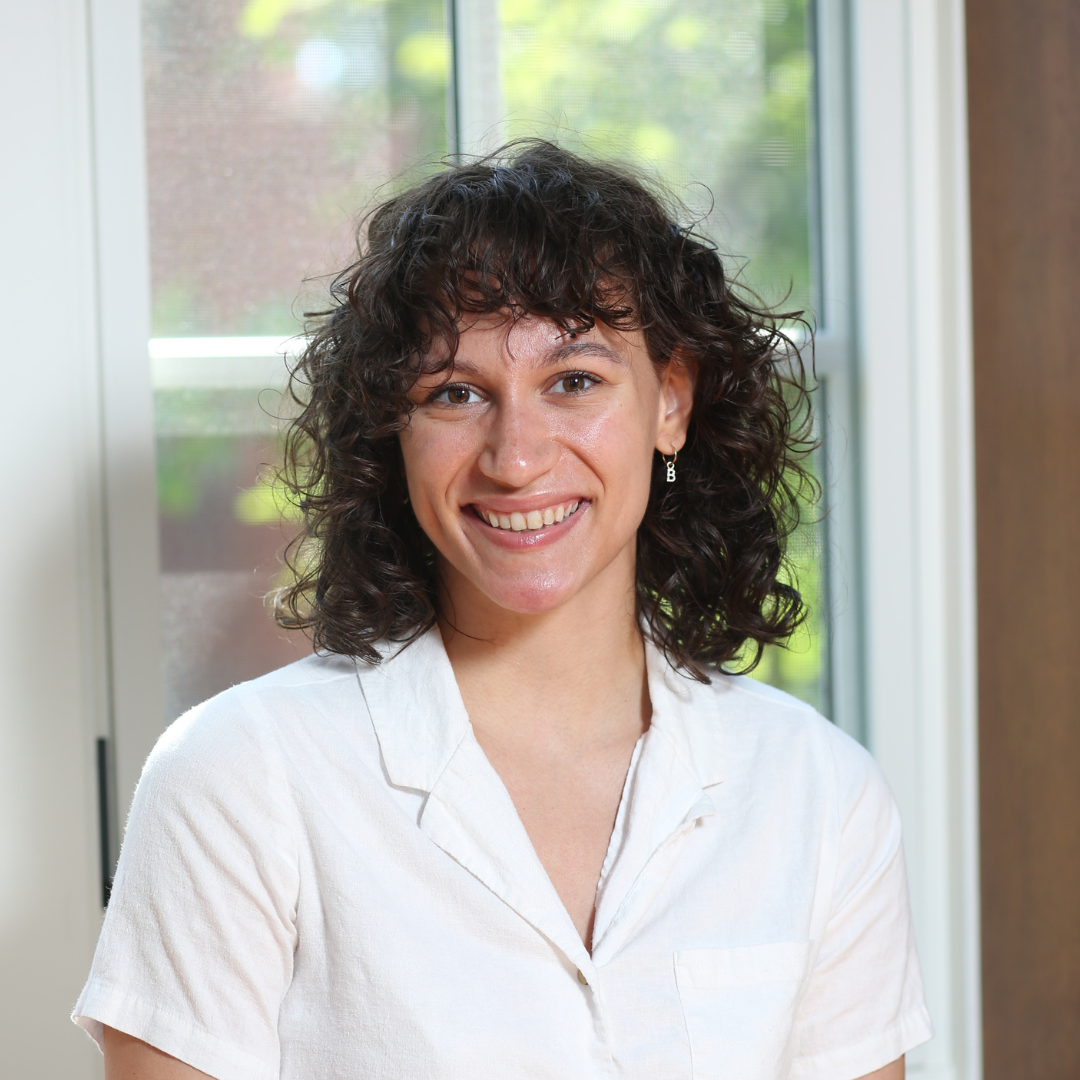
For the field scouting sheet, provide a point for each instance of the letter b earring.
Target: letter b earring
(671, 466)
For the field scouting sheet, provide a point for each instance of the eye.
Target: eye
(456, 394)
(573, 382)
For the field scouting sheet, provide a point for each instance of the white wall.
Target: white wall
(52, 693)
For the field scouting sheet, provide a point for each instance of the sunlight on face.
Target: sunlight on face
(529, 465)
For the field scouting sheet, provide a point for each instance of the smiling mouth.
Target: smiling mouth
(531, 521)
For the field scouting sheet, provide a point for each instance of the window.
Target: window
(271, 123)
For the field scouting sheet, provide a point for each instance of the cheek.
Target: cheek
(618, 445)
(433, 454)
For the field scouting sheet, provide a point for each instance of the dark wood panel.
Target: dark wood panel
(1024, 107)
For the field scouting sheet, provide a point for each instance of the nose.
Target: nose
(520, 446)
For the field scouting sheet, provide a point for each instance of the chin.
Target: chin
(533, 597)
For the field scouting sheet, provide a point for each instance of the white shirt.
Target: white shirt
(323, 878)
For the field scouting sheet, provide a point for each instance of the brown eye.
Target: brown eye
(457, 395)
(574, 383)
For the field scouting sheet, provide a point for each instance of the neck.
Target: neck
(575, 674)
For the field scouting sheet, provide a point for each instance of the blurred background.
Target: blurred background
(183, 178)
(270, 127)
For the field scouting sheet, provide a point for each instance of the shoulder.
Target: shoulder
(796, 774)
(762, 714)
(768, 732)
(247, 730)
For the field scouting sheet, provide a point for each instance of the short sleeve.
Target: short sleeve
(863, 1007)
(196, 951)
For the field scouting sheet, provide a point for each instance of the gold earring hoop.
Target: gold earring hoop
(671, 466)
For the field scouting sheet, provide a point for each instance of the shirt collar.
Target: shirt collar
(416, 708)
(420, 719)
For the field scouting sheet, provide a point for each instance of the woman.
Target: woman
(513, 819)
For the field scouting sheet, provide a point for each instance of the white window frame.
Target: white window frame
(132, 567)
(895, 357)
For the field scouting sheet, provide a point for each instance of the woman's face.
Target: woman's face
(529, 465)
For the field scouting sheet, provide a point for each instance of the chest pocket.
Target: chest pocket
(739, 1005)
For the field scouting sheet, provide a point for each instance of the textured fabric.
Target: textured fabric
(323, 878)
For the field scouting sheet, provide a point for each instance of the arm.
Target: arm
(893, 1071)
(196, 951)
(128, 1058)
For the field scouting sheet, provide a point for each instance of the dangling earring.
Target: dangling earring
(671, 466)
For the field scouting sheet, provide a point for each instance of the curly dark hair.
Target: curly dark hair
(535, 229)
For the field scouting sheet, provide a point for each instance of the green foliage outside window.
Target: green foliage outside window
(714, 96)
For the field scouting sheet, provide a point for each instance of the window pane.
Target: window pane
(715, 95)
(269, 124)
(220, 540)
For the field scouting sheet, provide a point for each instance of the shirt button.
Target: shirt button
(581, 978)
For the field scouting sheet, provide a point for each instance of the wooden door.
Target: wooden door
(1024, 107)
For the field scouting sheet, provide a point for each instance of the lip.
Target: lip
(523, 505)
(526, 540)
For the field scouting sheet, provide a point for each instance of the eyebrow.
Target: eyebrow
(567, 351)
(570, 349)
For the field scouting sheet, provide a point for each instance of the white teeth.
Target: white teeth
(533, 520)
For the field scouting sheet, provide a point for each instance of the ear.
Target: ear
(676, 402)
